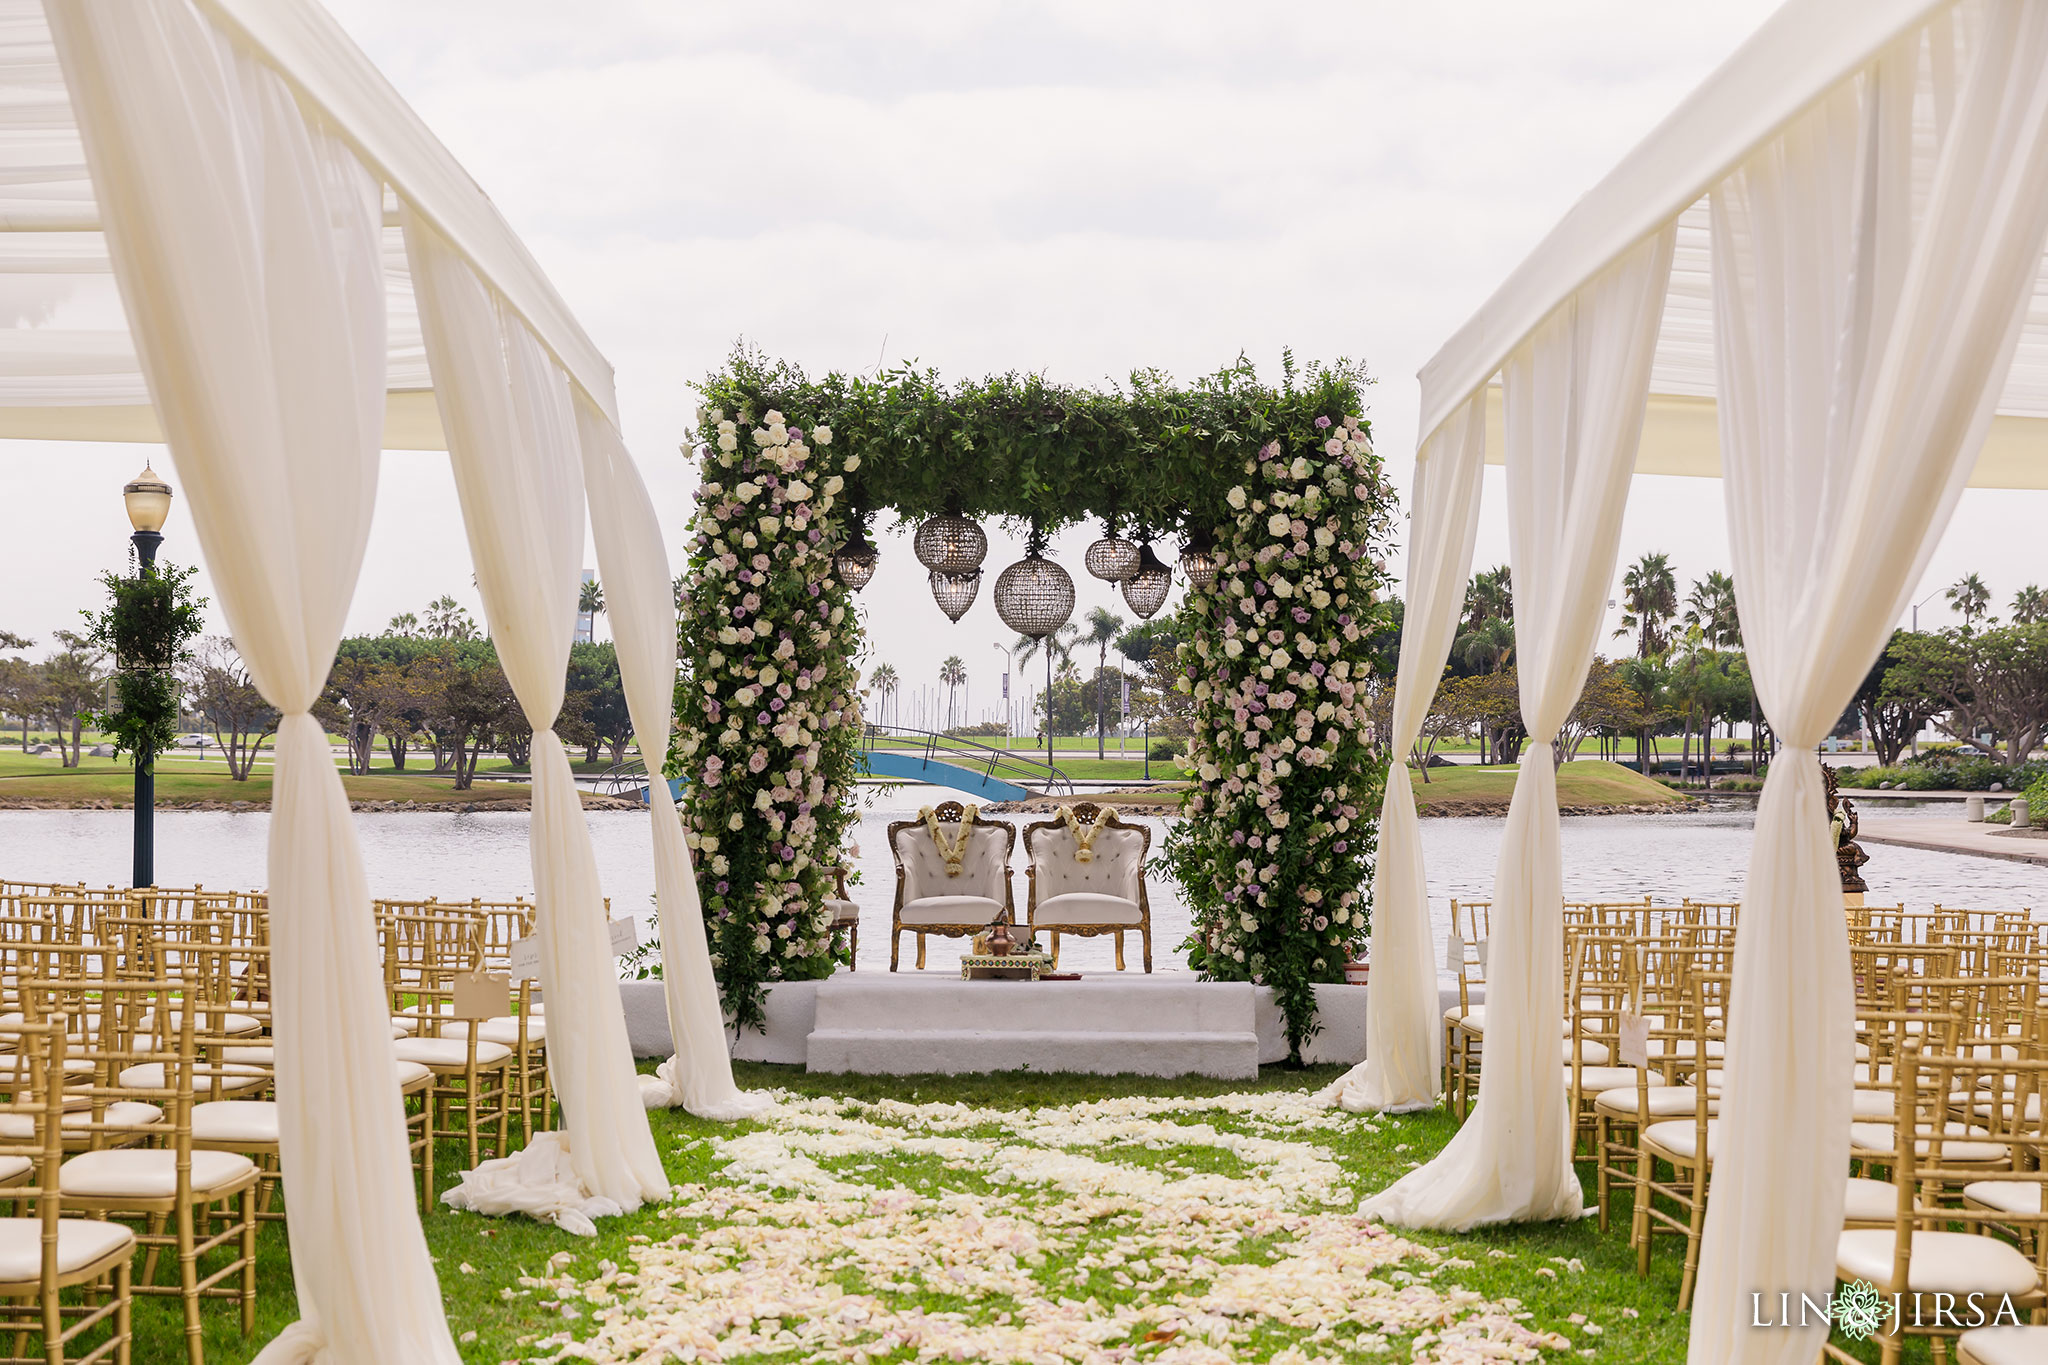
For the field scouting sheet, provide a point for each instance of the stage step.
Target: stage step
(907, 1025)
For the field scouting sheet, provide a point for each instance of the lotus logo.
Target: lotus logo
(1859, 1310)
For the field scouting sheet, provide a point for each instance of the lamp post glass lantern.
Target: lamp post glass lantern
(148, 500)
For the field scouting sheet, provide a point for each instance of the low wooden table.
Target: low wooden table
(1025, 966)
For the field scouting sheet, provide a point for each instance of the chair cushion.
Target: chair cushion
(2007, 1196)
(1680, 1137)
(1085, 907)
(235, 1121)
(233, 1076)
(2003, 1346)
(1472, 1020)
(1874, 1105)
(504, 1029)
(1115, 867)
(1595, 1080)
(842, 912)
(15, 1168)
(444, 1053)
(411, 1073)
(1590, 1052)
(220, 1021)
(81, 1242)
(18, 1127)
(950, 910)
(146, 1173)
(1943, 1263)
(984, 871)
(1870, 1201)
(1666, 1101)
(1955, 1147)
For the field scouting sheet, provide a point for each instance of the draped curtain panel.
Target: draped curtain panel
(1860, 357)
(245, 243)
(1574, 395)
(642, 611)
(513, 443)
(1403, 1027)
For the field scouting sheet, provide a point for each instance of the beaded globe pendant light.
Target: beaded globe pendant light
(1145, 591)
(950, 544)
(1200, 561)
(1112, 558)
(856, 560)
(1034, 596)
(955, 592)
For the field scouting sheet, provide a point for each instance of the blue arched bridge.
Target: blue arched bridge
(892, 751)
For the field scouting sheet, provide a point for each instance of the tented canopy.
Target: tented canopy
(68, 367)
(1807, 48)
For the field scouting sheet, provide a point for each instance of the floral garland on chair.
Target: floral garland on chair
(955, 852)
(1084, 844)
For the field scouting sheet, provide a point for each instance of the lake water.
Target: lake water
(456, 856)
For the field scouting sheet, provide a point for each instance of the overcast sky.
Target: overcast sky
(1078, 188)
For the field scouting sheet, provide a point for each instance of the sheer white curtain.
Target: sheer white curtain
(1403, 1026)
(1860, 357)
(642, 610)
(513, 443)
(1574, 397)
(245, 243)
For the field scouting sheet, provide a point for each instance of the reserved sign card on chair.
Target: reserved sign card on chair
(625, 936)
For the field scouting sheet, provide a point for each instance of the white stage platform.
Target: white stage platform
(907, 1023)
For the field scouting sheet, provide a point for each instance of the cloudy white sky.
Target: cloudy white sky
(1074, 187)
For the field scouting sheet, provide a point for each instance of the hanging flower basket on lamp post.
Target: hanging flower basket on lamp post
(1145, 591)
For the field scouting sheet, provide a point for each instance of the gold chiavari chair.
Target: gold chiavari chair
(1465, 1022)
(147, 1050)
(525, 1029)
(1598, 998)
(424, 954)
(1683, 1144)
(1920, 1257)
(46, 1257)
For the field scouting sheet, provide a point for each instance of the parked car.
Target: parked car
(194, 740)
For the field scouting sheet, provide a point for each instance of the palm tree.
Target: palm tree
(1711, 607)
(1103, 628)
(1487, 647)
(1058, 648)
(2029, 606)
(1489, 597)
(884, 683)
(953, 673)
(1970, 598)
(405, 625)
(590, 602)
(1649, 598)
(446, 620)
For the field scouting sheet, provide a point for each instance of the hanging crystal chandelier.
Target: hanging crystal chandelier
(1199, 560)
(1034, 596)
(955, 592)
(950, 544)
(1112, 558)
(856, 560)
(1145, 591)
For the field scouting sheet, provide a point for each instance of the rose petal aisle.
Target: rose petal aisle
(1154, 1228)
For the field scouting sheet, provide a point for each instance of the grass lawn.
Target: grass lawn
(1584, 783)
(41, 777)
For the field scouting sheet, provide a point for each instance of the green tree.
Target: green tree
(1892, 719)
(590, 602)
(9, 640)
(1645, 676)
(2029, 606)
(147, 627)
(1487, 647)
(953, 674)
(1490, 596)
(1104, 627)
(1711, 607)
(72, 681)
(1649, 599)
(600, 691)
(1969, 597)
(446, 620)
(885, 683)
(219, 689)
(405, 625)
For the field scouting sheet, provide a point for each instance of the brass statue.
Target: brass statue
(1849, 855)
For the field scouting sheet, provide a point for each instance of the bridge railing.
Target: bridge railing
(1006, 765)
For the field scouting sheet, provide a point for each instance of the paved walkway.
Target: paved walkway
(1958, 836)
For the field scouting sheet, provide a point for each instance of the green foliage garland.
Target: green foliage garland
(147, 626)
(769, 727)
(1274, 851)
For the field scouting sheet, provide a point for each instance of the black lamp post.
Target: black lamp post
(149, 502)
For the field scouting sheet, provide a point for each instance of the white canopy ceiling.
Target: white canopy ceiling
(68, 369)
(1806, 49)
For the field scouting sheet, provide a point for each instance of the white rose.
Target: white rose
(1282, 588)
(1233, 647)
(1300, 469)
(833, 485)
(773, 418)
(1277, 524)
(778, 434)
(735, 822)
(822, 435)
(852, 461)
(1235, 498)
(718, 416)
(798, 491)
(770, 525)
(728, 442)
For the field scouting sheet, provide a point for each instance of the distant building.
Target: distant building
(586, 622)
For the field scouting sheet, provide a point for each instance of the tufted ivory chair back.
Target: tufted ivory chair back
(981, 871)
(1117, 869)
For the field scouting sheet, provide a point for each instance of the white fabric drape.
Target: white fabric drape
(1860, 358)
(641, 609)
(1403, 1027)
(513, 444)
(1574, 397)
(246, 246)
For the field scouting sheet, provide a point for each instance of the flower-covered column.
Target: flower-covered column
(768, 725)
(1276, 847)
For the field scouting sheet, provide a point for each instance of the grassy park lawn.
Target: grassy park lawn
(40, 777)
(1021, 1217)
(1588, 782)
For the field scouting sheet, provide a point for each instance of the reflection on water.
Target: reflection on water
(456, 856)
